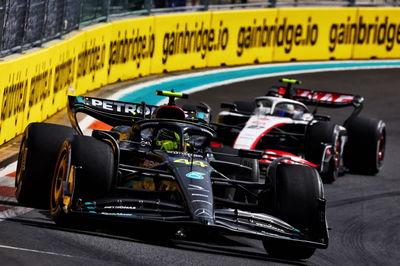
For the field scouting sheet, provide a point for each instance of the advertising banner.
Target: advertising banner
(91, 57)
(241, 37)
(181, 42)
(375, 33)
(131, 49)
(14, 88)
(35, 85)
(306, 34)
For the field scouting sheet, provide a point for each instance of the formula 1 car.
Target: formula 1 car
(281, 123)
(156, 165)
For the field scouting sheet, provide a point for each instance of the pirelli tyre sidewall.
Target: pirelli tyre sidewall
(298, 190)
(86, 166)
(365, 148)
(36, 161)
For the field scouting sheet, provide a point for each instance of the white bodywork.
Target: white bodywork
(265, 118)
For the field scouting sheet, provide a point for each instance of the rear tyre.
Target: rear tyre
(85, 170)
(329, 133)
(298, 190)
(36, 161)
(365, 149)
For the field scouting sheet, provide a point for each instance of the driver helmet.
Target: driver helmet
(285, 110)
(170, 112)
(168, 139)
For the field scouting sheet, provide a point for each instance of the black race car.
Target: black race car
(281, 123)
(156, 165)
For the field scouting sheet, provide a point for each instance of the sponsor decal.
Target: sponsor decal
(325, 96)
(197, 188)
(120, 107)
(197, 39)
(184, 154)
(140, 46)
(91, 60)
(195, 175)
(382, 31)
(203, 213)
(276, 34)
(189, 162)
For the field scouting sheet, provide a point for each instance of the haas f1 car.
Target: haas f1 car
(156, 166)
(280, 123)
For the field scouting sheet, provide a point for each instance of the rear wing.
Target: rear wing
(320, 98)
(115, 113)
(311, 97)
(111, 112)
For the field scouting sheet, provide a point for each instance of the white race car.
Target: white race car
(282, 125)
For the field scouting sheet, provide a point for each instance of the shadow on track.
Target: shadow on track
(203, 242)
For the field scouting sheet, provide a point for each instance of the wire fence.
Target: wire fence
(29, 23)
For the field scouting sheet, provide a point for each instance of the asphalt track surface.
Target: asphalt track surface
(363, 211)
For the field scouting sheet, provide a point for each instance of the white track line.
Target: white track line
(35, 251)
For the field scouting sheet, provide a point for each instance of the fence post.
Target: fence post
(108, 3)
(272, 3)
(147, 6)
(206, 4)
(26, 22)
(80, 13)
(46, 15)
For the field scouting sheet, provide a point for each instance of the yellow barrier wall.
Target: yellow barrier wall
(34, 86)
(376, 34)
(130, 49)
(181, 42)
(242, 37)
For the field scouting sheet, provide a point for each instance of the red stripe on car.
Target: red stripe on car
(7, 191)
(253, 146)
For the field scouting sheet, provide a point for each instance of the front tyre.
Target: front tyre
(85, 171)
(298, 194)
(36, 161)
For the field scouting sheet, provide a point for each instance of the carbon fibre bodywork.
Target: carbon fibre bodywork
(124, 175)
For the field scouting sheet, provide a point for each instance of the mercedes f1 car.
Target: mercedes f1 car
(280, 123)
(156, 165)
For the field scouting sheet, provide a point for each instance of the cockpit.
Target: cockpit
(283, 108)
(168, 135)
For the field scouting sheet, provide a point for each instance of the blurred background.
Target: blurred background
(29, 23)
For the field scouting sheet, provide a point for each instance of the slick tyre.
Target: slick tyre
(36, 161)
(86, 166)
(329, 133)
(298, 190)
(365, 148)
